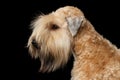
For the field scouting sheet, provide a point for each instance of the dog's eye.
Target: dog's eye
(54, 27)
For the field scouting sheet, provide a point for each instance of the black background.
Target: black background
(18, 14)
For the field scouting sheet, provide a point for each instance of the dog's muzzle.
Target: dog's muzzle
(35, 44)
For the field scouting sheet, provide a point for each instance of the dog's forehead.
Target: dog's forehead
(59, 20)
(49, 19)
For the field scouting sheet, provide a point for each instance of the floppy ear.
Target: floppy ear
(74, 24)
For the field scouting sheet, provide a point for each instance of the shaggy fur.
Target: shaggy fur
(66, 31)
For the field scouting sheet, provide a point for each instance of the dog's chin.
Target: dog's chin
(51, 62)
(51, 58)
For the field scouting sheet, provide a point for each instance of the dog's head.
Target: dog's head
(52, 37)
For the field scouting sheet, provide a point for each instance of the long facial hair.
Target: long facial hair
(50, 43)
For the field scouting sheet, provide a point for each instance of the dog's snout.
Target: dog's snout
(34, 43)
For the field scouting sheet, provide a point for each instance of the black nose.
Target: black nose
(34, 43)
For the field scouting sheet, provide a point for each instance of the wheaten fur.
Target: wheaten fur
(66, 31)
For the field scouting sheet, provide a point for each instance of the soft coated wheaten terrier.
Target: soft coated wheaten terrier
(66, 31)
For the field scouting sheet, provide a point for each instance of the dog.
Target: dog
(65, 32)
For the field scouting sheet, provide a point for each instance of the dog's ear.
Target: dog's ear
(74, 24)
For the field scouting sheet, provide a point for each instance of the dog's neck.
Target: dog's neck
(88, 40)
(84, 37)
(91, 52)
